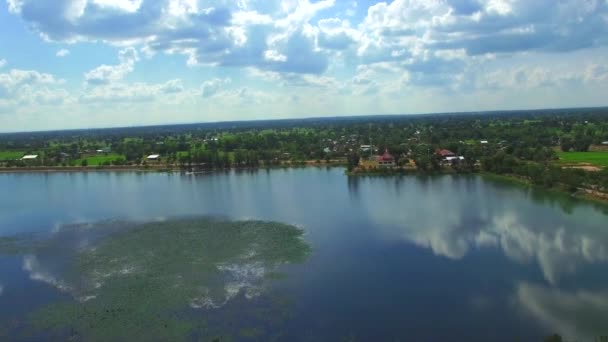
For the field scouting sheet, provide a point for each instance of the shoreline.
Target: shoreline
(582, 193)
(76, 169)
(152, 168)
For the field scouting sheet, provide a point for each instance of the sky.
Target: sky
(106, 63)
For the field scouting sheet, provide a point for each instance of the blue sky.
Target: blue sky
(101, 63)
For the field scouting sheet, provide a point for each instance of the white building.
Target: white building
(153, 157)
(30, 157)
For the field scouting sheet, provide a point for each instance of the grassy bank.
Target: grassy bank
(519, 181)
(599, 159)
(11, 155)
(98, 160)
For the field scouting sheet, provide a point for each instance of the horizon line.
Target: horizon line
(347, 116)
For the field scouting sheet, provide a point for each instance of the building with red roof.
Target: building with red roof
(386, 159)
(445, 153)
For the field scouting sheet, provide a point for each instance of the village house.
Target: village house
(386, 159)
(153, 158)
(446, 154)
(452, 160)
(29, 157)
(448, 157)
(104, 150)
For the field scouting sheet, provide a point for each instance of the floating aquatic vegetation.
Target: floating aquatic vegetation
(141, 281)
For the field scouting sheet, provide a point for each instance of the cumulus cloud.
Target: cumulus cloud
(538, 76)
(23, 87)
(226, 33)
(438, 40)
(131, 92)
(297, 37)
(2, 63)
(172, 87)
(16, 77)
(105, 74)
(488, 26)
(336, 34)
(62, 53)
(413, 50)
(212, 87)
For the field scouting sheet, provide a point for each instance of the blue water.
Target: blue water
(395, 258)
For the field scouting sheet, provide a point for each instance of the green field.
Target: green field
(593, 158)
(99, 159)
(11, 155)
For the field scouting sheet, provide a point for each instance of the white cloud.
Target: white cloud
(62, 53)
(15, 83)
(420, 55)
(29, 89)
(17, 77)
(117, 92)
(274, 56)
(2, 63)
(592, 73)
(212, 87)
(105, 74)
(130, 6)
(228, 34)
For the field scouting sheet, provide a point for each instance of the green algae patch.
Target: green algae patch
(159, 281)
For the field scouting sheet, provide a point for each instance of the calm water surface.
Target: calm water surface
(398, 258)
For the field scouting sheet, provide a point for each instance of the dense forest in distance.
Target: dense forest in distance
(542, 146)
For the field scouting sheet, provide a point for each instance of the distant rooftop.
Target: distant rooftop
(446, 153)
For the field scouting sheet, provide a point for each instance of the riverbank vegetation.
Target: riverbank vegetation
(554, 148)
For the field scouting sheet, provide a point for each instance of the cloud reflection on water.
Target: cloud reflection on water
(524, 226)
(454, 223)
(576, 315)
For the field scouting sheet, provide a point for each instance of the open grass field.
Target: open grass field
(99, 159)
(11, 155)
(593, 158)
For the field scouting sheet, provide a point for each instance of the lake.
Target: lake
(297, 254)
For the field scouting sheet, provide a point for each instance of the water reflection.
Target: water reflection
(469, 218)
(576, 315)
(452, 227)
(144, 276)
(384, 249)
